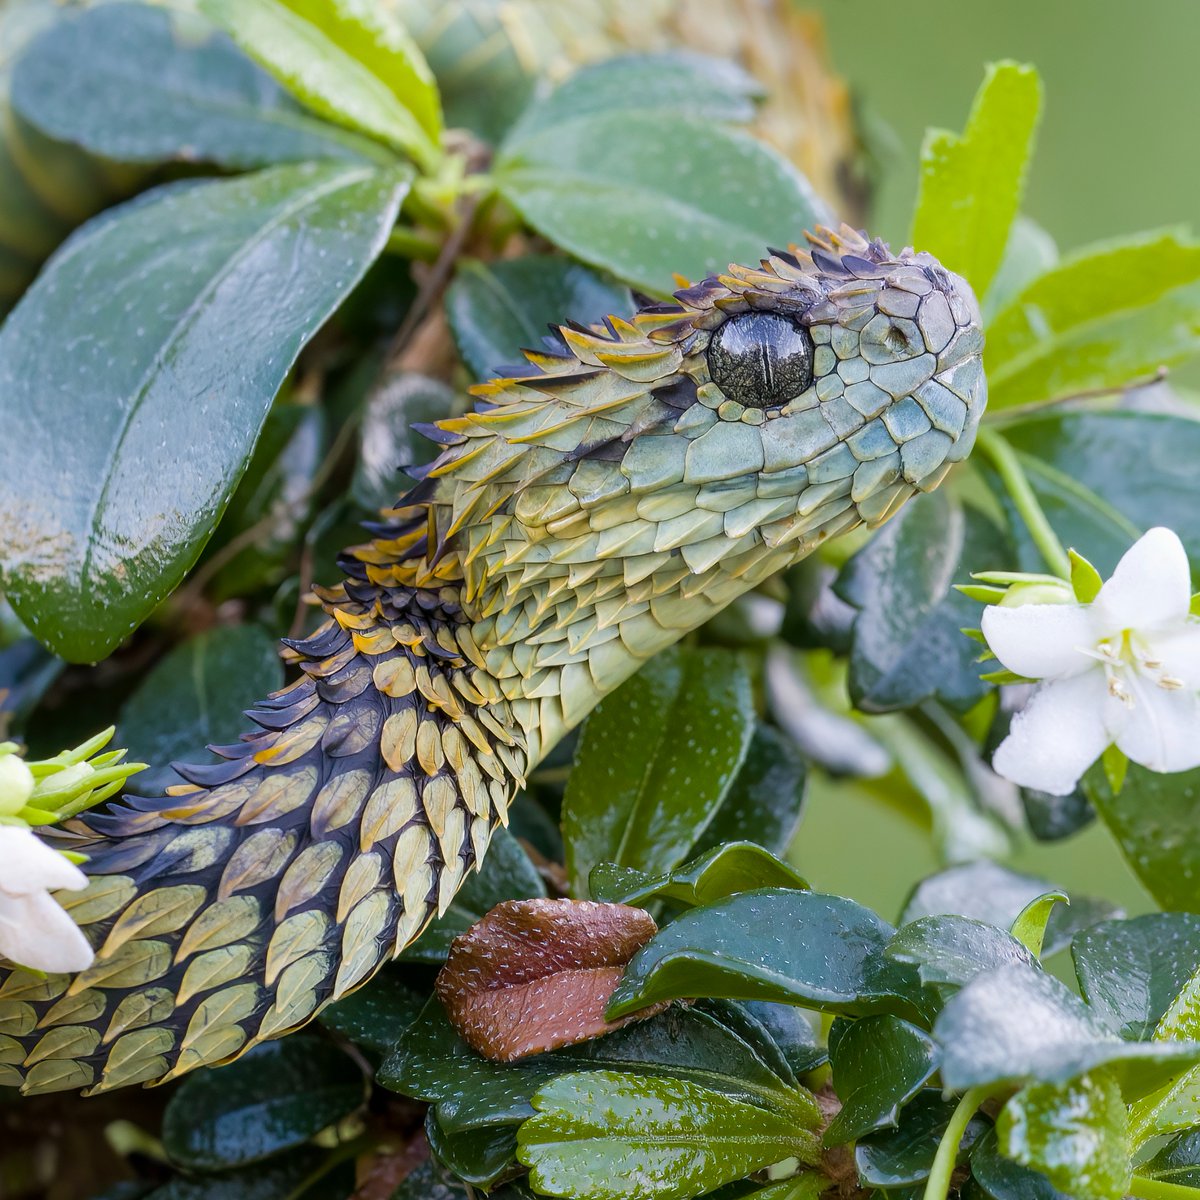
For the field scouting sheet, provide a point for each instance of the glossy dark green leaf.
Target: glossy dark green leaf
(1003, 1179)
(1052, 818)
(907, 643)
(129, 82)
(1130, 972)
(793, 947)
(950, 951)
(677, 82)
(507, 874)
(654, 762)
(195, 697)
(1178, 1161)
(377, 1015)
(790, 1030)
(730, 869)
(1104, 478)
(903, 1156)
(351, 63)
(645, 195)
(498, 309)
(1016, 1023)
(1153, 819)
(1108, 315)
(986, 891)
(431, 1062)
(971, 184)
(387, 442)
(477, 1156)
(879, 1065)
(601, 1134)
(290, 1176)
(274, 1098)
(136, 374)
(765, 801)
(1076, 1134)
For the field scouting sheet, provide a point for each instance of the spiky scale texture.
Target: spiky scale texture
(586, 516)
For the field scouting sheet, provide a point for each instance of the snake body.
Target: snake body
(635, 479)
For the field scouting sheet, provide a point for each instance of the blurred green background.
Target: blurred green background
(1117, 152)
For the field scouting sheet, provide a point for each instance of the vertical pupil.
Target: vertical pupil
(761, 359)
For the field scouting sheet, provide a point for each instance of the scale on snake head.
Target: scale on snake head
(632, 482)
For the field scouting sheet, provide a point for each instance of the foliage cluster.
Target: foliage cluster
(257, 329)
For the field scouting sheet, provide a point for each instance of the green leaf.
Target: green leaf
(124, 80)
(274, 1098)
(498, 309)
(907, 645)
(730, 869)
(678, 82)
(387, 442)
(1075, 1133)
(747, 948)
(1029, 928)
(765, 800)
(432, 1182)
(1130, 972)
(1003, 1179)
(879, 1065)
(602, 188)
(1177, 1162)
(1085, 579)
(654, 762)
(150, 305)
(902, 1157)
(1030, 252)
(1153, 819)
(348, 60)
(377, 1015)
(478, 1156)
(196, 697)
(432, 1063)
(286, 1178)
(950, 951)
(597, 1131)
(507, 874)
(1016, 1023)
(1107, 315)
(971, 185)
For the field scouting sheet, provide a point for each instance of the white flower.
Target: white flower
(34, 930)
(1124, 669)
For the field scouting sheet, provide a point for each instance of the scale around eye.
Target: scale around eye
(761, 359)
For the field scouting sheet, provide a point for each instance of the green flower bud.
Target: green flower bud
(1041, 592)
(16, 784)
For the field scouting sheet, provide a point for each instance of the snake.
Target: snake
(626, 483)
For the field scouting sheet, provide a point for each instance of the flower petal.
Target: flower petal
(1163, 730)
(1151, 587)
(1040, 641)
(1057, 735)
(1178, 650)
(35, 932)
(28, 865)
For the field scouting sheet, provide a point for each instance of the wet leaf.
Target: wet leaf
(1004, 1179)
(655, 759)
(1076, 1134)
(902, 1157)
(536, 975)
(377, 1015)
(972, 184)
(498, 309)
(195, 697)
(276, 1097)
(285, 1178)
(1107, 315)
(125, 81)
(350, 62)
(1177, 1162)
(950, 951)
(145, 308)
(907, 643)
(645, 195)
(747, 947)
(598, 1133)
(1015, 1023)
(478, 1156)
(879, 1065)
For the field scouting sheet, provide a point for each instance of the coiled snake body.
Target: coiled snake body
(638, 478)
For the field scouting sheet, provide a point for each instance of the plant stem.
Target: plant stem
(938, 1185)
(1004, 459)
(409, 243)
(1160, 1189)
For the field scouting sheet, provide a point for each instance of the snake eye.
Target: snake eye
(761, 359)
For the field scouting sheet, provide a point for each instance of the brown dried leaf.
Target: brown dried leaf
(536, 975)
